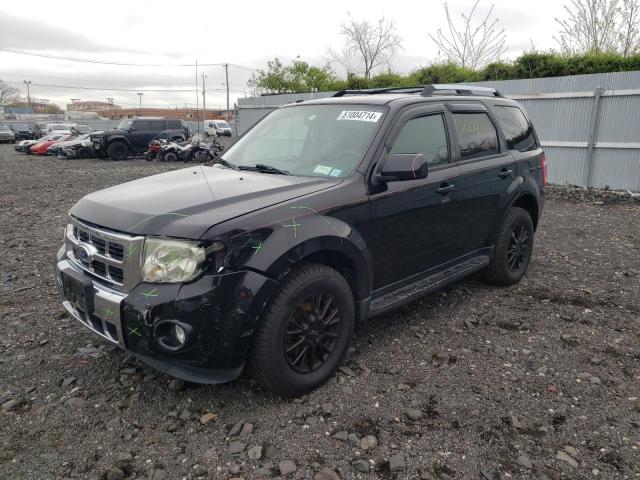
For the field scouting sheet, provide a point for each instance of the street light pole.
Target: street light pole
(27, 83)
(226, 74)
(204, 100)
(140, 95)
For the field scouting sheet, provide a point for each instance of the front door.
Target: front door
(414, 221)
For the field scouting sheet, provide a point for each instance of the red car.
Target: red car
(44, 143)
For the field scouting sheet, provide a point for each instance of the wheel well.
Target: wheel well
(120, 140)
(339, 262)
(529, 203)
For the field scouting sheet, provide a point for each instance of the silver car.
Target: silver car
(6, 134)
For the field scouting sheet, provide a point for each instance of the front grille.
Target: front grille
(101, 253)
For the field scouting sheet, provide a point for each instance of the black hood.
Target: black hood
(186, 203)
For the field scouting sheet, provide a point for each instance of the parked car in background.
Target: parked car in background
(26, 130)
(41, 148)
(217, 127)
(82, 129)
(6, 134)
(23, 146)
(64, 128)
(81, 147)
(325, 213)
(132, 136)
(55, 147)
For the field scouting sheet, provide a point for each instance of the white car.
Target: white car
(59, 128)
(6, 134)
(217, 127)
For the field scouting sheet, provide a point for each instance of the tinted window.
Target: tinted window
(157, 124)
(517, 130)
(476, 134)
(142, 125)
(174, 124)
(425, 135)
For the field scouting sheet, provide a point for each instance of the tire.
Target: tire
(293, 374)
(513, 250)
(117, 151)
(84, 153)
(170, 157)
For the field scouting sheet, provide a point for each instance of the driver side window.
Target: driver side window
(425, 135)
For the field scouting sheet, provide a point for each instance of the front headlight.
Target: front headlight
(171, 261)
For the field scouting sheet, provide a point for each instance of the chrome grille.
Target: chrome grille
(109, 256)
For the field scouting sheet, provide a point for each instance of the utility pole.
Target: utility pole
(197, 119)
(27, 83)
(204, 100)
(226, 74)
(140, 95)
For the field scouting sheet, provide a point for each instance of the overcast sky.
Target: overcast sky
(245, 35)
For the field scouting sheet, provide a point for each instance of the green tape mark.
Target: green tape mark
(134, 331)
(107, 313)
(150, 293)
(295, 226)
(257, 248)
(131, 250)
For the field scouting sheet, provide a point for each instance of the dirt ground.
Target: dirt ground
(540, 380)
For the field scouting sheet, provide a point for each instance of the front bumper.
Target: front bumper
(220, 312)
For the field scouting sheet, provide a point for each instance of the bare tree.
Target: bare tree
(367, 45)
(473, 44)
(591, 26)
(629, 36)
(8, 93)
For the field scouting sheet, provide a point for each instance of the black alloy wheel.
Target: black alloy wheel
(518, 247)
(311, 335)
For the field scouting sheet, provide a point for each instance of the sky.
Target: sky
(243, 34)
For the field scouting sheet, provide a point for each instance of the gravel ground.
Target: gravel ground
(540, 380)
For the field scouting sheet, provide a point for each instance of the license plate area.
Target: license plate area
(78, 292)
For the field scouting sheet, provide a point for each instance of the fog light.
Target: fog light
(180, 334)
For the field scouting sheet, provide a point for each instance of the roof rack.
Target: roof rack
(445, 88)
(426, 90)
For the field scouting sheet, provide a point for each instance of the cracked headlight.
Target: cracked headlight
(172, 261)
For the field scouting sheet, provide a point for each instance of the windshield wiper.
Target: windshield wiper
(224, 163)
(261, 167)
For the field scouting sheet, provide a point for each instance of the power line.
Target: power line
(168, 90)
(121, 64)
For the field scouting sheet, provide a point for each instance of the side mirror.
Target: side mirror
(132, 129)
(404, 166)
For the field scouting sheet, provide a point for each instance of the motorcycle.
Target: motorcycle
(154, 148)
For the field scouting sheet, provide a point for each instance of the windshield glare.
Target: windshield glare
(124, 125)
(310, 140)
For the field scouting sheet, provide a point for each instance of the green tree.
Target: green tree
(296, 77)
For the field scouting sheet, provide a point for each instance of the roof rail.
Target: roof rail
(430, 90)
(374, 91)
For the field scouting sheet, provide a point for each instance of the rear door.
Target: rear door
(413, 222)
(488, 173)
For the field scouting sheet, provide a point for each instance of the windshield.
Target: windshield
(222, 124)
(124, 125)
(309, 140)
(21, 126)
(4, 128)
(59, 126)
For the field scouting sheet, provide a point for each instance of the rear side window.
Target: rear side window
(476, 134)
(157, 124)
(142, 125)
(516, 128)
(425, 135)
(174, 124)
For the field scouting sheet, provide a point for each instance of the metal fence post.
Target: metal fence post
(592, 135)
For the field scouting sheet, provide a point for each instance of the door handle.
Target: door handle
(505, 173)
(445, 188)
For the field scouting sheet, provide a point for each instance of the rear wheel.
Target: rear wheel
(513, 248)
(170, 157)
(84, 153)
(117, 151)
(305, 332)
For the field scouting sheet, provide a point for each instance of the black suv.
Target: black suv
(132, 136)
(325, 213)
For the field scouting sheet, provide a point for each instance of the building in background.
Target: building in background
(78, 105)
(187, 114)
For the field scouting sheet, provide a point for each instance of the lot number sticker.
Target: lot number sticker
(359, 115)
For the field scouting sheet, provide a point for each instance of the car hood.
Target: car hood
(186, 203)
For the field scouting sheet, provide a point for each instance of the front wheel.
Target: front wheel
(305, 331)
(513, 249)
(170, 157)
(117, 151)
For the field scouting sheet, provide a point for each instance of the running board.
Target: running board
(408, 293)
